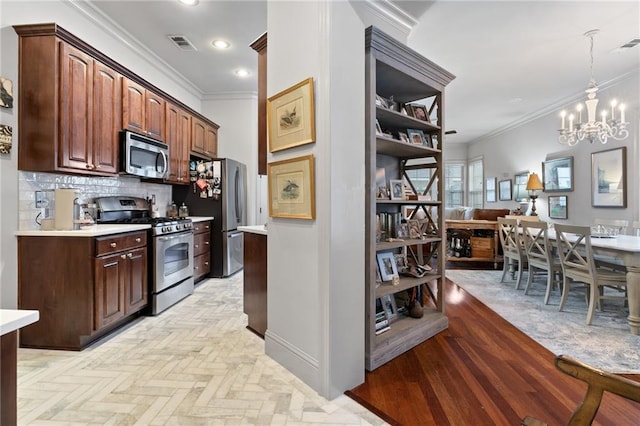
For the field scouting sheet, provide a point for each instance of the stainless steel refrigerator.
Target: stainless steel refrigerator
(218, 188)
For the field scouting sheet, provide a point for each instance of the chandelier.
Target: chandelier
(608, 127)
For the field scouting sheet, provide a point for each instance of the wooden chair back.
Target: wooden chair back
(509, 238)
(576, 258)
(538, 248)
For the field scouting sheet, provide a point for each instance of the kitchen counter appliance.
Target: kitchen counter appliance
(171, 250)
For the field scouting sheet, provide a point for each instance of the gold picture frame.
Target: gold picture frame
(292, 188)
(290, 115)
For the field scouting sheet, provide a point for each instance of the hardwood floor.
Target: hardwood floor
(480, 371)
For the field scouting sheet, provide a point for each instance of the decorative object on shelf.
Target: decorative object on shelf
(292, 188)
(403, 137)
(520, 186)
(491, 190)
(418, 111)
(291, 117)
(6, 139)
(378, 128)
(593, 130)
(504, 190)
(557, 174)
(381, 102)
(416, 136)
(6, 93)
(389, 306)
(396, 188)
(558, 207)
(533, 185)
(387, 265)
(609, 177)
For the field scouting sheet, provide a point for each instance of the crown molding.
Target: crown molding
(93, 14)
(230, 96)
(392, 14)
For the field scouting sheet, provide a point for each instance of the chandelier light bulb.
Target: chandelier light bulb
(593, 129)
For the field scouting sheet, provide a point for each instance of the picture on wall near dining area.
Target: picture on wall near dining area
(557, 174)
(504, 190)
(608, 178)
(558, 207)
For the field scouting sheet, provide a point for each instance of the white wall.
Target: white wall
(237, 117)
(525, 147)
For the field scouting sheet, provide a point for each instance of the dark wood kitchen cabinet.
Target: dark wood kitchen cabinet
(84, 287)
(201, 250)
(55, 76)
(178, 137)
(255, 282)
(204, 138)
(142, 110)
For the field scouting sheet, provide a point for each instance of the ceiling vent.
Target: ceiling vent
(631, 43)
(182, 42)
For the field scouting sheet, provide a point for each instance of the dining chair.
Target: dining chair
(620, 225)
(578, 265)
(541, 255)
(512, 249)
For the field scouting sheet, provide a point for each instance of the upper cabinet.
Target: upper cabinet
(74, 101)
(142, 110)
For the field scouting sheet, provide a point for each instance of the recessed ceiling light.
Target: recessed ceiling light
(242, 72)
(220, 44)
(189, 2)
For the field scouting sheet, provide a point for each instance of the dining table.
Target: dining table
(622, 250)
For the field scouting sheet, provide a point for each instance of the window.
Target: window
(454, 184)
(475, 183)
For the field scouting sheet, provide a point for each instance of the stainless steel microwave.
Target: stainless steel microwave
(143, 156)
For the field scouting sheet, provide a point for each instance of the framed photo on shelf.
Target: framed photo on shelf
(490, 189)
(403, 137)
(290, 117)
(420, 112)
(504, 190)
(381, 102)
(609, 178)
(557, 207)
(557, 174)
(520, 192)
(396, 188)
(416, 136)
(401, 262)
(291, 186)
(387, 265)
(389, 306)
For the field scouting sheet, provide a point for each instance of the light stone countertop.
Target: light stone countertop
(13, 319)
(255, 229)
(85, 231)
(200, 218)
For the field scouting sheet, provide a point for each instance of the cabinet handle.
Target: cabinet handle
(138, 240)
(130, 255)
(90, 166)
(195, 268)
(123, 256)
(206, 227)
(113, 245)
(206, 263)
(206, 243)
(195, 246)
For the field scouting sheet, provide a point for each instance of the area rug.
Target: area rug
(606, 343)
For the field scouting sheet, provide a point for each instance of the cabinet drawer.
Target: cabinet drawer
(201, 266)
(200, 227)
(117, 242)
(201, 244)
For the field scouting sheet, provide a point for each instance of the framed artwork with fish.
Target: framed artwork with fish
(290, 117)
(292, 188)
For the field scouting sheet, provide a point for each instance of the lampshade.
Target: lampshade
(534, 184)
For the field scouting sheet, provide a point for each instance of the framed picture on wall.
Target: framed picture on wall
(557, 175)
(609, 177)
(291, 117)
(504, 190)
(520, 186)
(558, 207)
(490, 188)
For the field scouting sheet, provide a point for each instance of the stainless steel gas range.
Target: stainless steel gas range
(171, 250)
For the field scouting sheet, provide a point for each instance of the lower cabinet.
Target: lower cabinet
(84, 287)
(201, 250)
(255, 282)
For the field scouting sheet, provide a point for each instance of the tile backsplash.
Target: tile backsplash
(90, 188)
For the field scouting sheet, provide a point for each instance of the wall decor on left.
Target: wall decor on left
(6, 93)
(290, 117)
(6, 139)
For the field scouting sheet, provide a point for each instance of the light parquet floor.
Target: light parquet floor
(195, 364)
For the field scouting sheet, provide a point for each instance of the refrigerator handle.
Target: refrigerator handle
(237, 197)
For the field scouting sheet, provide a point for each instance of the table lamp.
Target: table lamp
(533, 185)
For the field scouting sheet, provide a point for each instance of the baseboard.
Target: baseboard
(298, 362)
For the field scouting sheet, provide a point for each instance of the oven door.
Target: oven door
(173, 260)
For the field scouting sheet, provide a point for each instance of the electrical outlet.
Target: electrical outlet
(40, 200)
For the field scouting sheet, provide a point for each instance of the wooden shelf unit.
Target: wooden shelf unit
(395, 71)
(471, 225)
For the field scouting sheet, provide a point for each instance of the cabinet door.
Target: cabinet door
(109, 300)
(154, 115)
(133, 103)
(107, 116)
(136, 282)
(198, 132)
(171, 138)
(184, 139)
(211, 141)
(76, 78)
